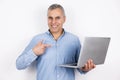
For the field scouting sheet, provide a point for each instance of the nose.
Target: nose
(53, 21)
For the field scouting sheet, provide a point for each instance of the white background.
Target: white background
(20, 20)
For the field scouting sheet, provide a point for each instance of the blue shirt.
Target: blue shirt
(63, 51)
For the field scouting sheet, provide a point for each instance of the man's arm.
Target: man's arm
(27, 56)
(25, 59)
(30, 54)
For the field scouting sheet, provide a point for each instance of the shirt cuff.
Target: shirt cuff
(82, 72)
(32, 55)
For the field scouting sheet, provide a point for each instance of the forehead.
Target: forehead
(55, 12)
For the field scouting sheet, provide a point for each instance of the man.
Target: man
(52, 48)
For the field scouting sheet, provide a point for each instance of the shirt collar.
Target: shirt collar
(49, 33)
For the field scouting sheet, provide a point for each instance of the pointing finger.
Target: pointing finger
(47, 45)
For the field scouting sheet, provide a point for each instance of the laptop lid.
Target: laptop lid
(94, 48)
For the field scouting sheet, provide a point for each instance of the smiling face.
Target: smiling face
(56, 20)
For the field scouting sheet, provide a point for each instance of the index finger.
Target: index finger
(47, 45)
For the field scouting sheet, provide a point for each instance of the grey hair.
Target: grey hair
(54, 6)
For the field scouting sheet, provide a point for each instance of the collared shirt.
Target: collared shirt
(63, 51)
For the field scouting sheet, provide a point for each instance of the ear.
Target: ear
(64, 19)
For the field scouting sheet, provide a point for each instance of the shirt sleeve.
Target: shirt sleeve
(27, 57)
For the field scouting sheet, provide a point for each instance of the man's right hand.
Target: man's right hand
(39, 49)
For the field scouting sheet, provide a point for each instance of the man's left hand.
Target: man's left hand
(88, 66)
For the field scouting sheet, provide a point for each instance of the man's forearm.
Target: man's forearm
(25, 59)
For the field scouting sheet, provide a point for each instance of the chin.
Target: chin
(53, 31)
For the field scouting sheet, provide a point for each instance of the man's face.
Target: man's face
(56, 19)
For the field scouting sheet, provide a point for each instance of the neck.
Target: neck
(57, 35)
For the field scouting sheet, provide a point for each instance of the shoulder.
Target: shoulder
(39, 36)
(72, 36)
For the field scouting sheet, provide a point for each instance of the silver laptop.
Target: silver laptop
(94, 48)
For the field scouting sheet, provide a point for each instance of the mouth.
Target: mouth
(54, 26)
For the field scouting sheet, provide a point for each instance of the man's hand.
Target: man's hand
(39, 49)
(88, 66)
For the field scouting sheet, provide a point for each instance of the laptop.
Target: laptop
(94, 48)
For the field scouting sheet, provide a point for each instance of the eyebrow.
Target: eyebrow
(50, 17)
(57, 17)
